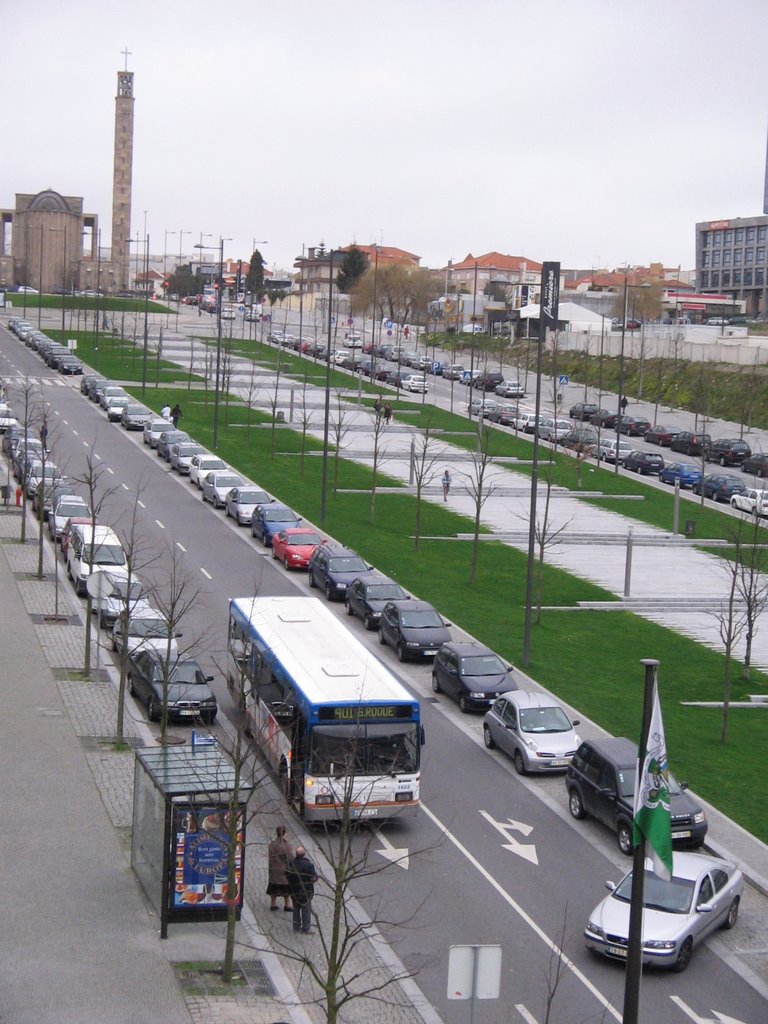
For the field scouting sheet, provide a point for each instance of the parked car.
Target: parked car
(487, 381)
(525, 421)
(64, 508)
(643, 462)
(487, 406)
(504, 414)
(267, 520)
(189, 698)
(182, 454)
(333, 568)
(552, 430)
(167, 439)
(609, 447)
(751, 500)
(217, 484)
(581, 439)
(90, 548)
(70, 366)
(413, 628)
(689, 443)
(201, 464)
(135, 416)
(583, 411)
(703, 895)
(603, 418)
(367, 595)
(147, 630)
(295, 546)
(533, 730)
(510, 389)
(112, 391)
(756, 464)
(454, 372)
(472, 674)
(414, 382)
(115, 405)
(117, 594)
(684, 472)
(728, 451)
(153, 428)
(241, 501)
(634, 426)
(719, 486)
(661, 435)
(36, 475)
(600, 781)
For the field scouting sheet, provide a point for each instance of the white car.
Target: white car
(217, 484)
(525, 421)
(753, 500)
(66, 507)
(199, 465)
(510, 389)
(113, 391)
(115, 407)
(147, 631)
(114, 596)
(107, 553)
(341, 355)
(153, 428)
(415, 383)
(486, 405)
(550, 429)
(608, 447)
(703, 895)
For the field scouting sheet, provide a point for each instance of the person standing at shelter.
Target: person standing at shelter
(302, 876)
(279, 860)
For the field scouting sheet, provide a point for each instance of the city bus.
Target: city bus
(326, 714)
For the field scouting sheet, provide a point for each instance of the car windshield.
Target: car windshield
(374, 749)
(298, 540)
(425, 618)
(187, 672)
(148, 628)
(209, 464)
(278, 515)
(482, 665)
(252, 497)
(188, 449)
(65, 509)
(384, 591)
(347, 563)
(673, 897)
(551, 719)
(157, 427)
(109, 554)
(120, 589)
(226, 480)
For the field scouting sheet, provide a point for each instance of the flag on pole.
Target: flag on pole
(652, 817)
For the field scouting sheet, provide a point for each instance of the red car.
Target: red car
(661, 435)
(294, 546)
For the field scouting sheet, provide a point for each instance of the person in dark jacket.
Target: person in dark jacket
(301, 875)
(175, 415)
(279, 855)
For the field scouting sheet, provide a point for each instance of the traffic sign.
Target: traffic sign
(466, 375)
(389, 334)
(563, 379)
(350, 321)
(435, 367)
(389, 325)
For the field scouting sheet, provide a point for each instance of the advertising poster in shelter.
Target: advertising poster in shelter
(201, 835)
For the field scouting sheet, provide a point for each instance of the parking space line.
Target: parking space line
(527, 1017)
(110, 470)
(74, 431)
(181, 547)
(140, 504)
(206, 574)
(159, 524)
(124, 486)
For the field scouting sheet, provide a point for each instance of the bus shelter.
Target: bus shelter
(183, 834)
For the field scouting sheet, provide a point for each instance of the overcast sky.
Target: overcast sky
(593, 132)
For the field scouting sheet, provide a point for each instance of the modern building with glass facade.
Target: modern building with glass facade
(732, 259)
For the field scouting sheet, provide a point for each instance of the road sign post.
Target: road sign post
(474, 972)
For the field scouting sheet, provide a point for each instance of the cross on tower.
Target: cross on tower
(126, 53)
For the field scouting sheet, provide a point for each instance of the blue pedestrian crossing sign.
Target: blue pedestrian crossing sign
(466, 375)
(563, 379)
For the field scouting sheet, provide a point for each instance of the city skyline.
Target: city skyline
(597, 136)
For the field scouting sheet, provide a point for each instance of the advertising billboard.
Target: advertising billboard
(201, 855)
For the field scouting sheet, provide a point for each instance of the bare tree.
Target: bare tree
(424, 454)
(546, 532)
(752, 582)
(340, 427)
(273, 400)
(29, 420)
(730, 621)
(479, 490)
(252, 392)
(379, 451)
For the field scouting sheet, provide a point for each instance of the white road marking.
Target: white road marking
(181, 547)
(206, 574)
(527, 1017)
(159, 524)
(399, 857)
(110, 470)
(74, 431)
(96, 455)
(527, 851)
(525, 917)
(719, 1018)
(140, 503)
(124, 486)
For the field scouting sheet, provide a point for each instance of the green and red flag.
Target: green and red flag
(652, 817)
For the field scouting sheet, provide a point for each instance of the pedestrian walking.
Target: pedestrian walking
(377, 407)
(623, 403)
(279, 856)
(446, 482)
(302, 876)
(165, 412)
(44, 433)
(176, 415)
(387, 413)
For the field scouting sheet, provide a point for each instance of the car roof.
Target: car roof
(467, 647)
(691, 865)
(412, 606)
(618, 749)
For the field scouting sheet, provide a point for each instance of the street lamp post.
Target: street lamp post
(621, 376)
(218, 335)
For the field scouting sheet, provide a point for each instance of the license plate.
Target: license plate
(429, 654)
(188, 712)
(682, 835)
(559, 762)
(367, 812)
(617, 951)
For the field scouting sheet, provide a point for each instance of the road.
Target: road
(492, 857)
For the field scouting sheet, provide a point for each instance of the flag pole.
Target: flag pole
(635, 945)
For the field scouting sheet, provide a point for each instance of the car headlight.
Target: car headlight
(295, 557)
(595, 930)
(699, 817)
(477, 694)
(531, 744)
(340, 586)
(659, 944)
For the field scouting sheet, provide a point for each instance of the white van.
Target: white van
(107, 553)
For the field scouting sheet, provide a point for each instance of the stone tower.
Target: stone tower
(121, 185)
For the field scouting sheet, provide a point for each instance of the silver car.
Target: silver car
(153, 428)
(217, 484)
(135, 416)
(182, 455)
(115, 406)
(703, 894)
(533, 729)
(241, 501)
(201, 464)
(112, 391)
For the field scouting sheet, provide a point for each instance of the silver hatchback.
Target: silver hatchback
(533, 729)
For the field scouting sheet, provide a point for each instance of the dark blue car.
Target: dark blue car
(267, 520)
(687, 475)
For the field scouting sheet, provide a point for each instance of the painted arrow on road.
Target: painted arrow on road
(397, 856)
(719, 1018)
(525, 850)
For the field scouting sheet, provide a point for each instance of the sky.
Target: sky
(596, 132)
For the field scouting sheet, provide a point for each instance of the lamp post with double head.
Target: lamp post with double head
(218, 335)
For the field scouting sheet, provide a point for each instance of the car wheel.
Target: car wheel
(285, 562)
(519, 762)
(328, 590)
(348, 608)
(575, 806)
(733, 914)
(624, 837)
(436, 684)
(202, 495)
(463, 705)
(382, 641)
(684, 956)
(265, 540)
(722, 461)
(153, 710)
(368, 622)
(487, 738)
(311, 578)
(274, 554)
(400, 652)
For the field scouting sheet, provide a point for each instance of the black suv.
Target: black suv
(690, 444)
(487, 381)
(601, 782)
(583, 411)
(728, 451)
(643, 462)
(333, 569)
(188, 694)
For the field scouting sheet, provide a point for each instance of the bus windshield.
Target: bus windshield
(374, 749)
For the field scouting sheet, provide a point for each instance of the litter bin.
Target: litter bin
(5, 493)
(690, 527)
(280, 416)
